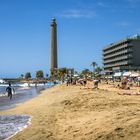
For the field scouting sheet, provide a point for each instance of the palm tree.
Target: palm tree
(94, 65)
(21, 76)
(86, 73)
(61, 73)
(98, 70)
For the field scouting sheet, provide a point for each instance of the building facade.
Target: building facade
(123, 55)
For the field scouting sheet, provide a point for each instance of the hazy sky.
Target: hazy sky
(84, 28)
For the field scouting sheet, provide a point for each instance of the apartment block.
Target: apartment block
(123, 55)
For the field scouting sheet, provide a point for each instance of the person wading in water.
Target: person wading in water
(9, 91)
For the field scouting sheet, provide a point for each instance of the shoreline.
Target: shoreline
(20, 96)
(68, 112)
(15, 121)
(10, 125)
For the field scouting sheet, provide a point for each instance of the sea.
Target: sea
(21, 87)
(10, 125)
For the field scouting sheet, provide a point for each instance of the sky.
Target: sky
(84, 28)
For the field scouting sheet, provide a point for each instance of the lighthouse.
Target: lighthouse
(54, 59)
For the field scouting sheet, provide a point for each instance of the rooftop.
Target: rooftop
(134, 37)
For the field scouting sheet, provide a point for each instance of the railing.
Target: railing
(119, 64)
(127, 56)
(118, 53)
(117, 48)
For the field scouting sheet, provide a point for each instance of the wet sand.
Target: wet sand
(71, 113)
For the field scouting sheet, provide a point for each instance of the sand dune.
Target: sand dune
(71, 113)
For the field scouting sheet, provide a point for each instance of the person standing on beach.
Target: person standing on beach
(96, 82)
(9, 91)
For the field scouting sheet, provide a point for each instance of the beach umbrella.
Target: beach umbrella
(117, 74)
(135, 75)
(127, 74)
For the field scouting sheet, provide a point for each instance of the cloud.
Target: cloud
(124, 24)
(101, 4)
(76, 13)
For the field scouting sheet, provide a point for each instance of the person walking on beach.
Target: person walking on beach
(9, 91)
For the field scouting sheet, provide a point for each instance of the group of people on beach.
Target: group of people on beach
(124, 83)
(83, 82)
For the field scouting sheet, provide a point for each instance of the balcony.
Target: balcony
(122, 63)
(118, 53)
(117, 48)
(127, 56)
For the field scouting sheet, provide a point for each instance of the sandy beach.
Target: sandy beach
(70, 113)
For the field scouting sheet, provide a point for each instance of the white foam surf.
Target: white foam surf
(10, 125)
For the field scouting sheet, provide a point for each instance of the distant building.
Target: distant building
(123, 55)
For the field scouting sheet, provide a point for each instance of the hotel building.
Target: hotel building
(123, 55)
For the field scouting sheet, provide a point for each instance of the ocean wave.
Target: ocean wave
(3, 94)
(10, 125)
